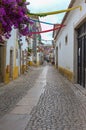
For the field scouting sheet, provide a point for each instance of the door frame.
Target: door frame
(11, 63)
(3, 61)
(56, 56)
(80, 54)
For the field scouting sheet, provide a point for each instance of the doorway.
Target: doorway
(82, 55)
(2, 62)
(56, 57)
(11, 63)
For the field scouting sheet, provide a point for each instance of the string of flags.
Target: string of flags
(54, 12)
(45, 31)
(49, 13)
(35, 20)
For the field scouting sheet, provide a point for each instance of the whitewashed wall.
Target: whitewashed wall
(23, 48)
(66, 52)
(25, 45)
(11, 43)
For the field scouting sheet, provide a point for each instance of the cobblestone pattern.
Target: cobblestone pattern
(59, 108)
(11, 93)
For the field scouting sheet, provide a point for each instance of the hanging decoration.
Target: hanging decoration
(34, 20)
(45, 31)
(46, 40)
(55, 12)
(39, 38)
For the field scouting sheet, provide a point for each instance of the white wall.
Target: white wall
(25, 45)
(11, 42)
(65, 54)
(23, 48)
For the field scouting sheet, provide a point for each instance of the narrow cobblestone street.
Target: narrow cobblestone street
(11, 93)
(53, 102)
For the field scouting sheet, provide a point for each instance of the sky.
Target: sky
(37, 6)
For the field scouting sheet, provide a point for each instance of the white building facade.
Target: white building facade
(11, 69)
(70, 44)
(12, 57)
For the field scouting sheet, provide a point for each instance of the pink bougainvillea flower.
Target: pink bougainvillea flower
(13, 13)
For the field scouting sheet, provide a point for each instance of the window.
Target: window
(16, 54)
(66, 40)
(60, 45)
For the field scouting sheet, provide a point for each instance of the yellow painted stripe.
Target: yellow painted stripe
(55, 12)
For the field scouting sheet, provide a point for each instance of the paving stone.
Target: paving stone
(59, 107)
(11, 93)
(62, 106)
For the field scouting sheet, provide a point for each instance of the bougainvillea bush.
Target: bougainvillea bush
(13, 14)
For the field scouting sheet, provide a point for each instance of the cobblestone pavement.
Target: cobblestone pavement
(61, 107)
(11, 93)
